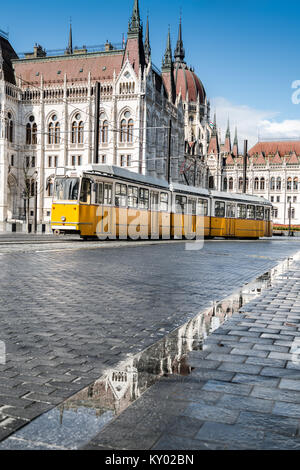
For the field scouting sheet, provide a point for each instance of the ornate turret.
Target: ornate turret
(134, 47)
(235, 148)
(168, 71)
(227, 145)
(134, 26)
(167, 62)
(147, 47)
(69, 49)
(179, 53)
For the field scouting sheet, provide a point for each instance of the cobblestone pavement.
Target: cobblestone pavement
(244, 391)
(66, 316)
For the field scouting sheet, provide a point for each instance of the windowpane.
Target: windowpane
(251, 212)
(219, 209)
(241, 211)
(259, 213)
(230, 211)
(202, 207)
(164, 201)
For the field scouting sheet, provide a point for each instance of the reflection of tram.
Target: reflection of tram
(110, 202)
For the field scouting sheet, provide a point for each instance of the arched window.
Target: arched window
(57, 133)
(278, 183)
(225, 184)
(272, 183)
(230, 184)
(295, 184)
(77, 136)
(9, 128)
(130, 131)
(31, 132)
(256, 183)
(74, 132)
(34, 134)
(53, 126)
(289, 184)
(123, 131)
(240, 183)
(51, 133)
(80, 132)
(262, 184)
(104, 132)
(126, 128)
(211, 182)
(28, 134)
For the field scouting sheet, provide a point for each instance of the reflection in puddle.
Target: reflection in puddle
(81, 417)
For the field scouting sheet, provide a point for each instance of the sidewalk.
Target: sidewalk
(243, 393)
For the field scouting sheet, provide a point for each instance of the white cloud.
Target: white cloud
(252, 123)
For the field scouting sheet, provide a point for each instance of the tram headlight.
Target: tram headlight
(63, 219)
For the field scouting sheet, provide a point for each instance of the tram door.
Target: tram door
(230, 220)
(106, 227)
(154, 215)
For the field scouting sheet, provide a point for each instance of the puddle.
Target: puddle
(77, 420)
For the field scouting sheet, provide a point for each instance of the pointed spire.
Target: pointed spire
(135, 22)
(227, 145)
(70, 45)
(147, 47)
(168, 70)
(235, 137)
(179, 53)
(167, 60)
(214, 130)
(235, 148)
(228, 130)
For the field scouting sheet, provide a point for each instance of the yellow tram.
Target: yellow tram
(109, 202)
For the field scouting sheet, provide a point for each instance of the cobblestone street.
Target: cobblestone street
(66, 316)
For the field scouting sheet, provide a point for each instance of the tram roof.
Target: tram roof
(122, 173)
(240, 197)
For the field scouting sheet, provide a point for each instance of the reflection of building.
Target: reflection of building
(273, 172)
(47, 110)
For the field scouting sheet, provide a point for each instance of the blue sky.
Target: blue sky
(247, 53)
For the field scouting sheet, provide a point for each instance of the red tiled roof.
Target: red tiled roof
(188, 84)
(293, 159)
(270, 148)
(70, 65)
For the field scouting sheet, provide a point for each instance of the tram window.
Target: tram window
(154, 202)
(164, 199)
(230, 210)
(192, 206)
(259, 213)
(66, 189)
(219, 209)
(121, 195)
(242, 211)
(107, 194)
(99, 193)
(85, 195)
(267, 214)
(180, 202)
(133, 197)
(202, 207)
(144, 198)
(251, 212)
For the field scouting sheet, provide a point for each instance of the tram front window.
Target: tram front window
(66, 189)
(85, 194)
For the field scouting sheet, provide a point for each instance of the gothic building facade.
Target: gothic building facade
(273, 172)
(48, 108)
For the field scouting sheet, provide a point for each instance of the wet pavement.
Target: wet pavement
(68, 319)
